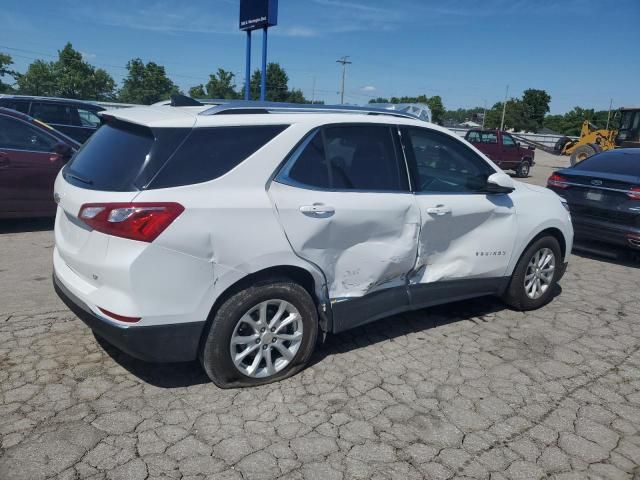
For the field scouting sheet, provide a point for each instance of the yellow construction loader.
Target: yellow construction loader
(594, 140)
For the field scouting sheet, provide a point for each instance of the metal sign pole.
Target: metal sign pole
(247, 81)
(263, 88)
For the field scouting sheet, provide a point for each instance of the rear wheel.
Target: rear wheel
(535, 276)
(260, 335)
(523, 169)
(582, 153)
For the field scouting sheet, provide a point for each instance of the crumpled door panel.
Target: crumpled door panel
(368, 243)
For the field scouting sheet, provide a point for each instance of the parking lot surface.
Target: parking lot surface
(466, 390)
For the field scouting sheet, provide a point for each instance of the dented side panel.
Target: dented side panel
(368, 243)
(473, 239)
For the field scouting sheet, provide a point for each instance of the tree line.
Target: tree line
(71, 76)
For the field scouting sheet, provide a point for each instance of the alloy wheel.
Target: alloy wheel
(266, 338)
(539, 274)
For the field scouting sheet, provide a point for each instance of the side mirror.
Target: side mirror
(519, 144)
(64, 150)
(500, 183)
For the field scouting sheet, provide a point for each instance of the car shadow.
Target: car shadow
(180, 375)
(25, 225)
(603, 252)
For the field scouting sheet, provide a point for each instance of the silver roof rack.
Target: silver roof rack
(238, 107)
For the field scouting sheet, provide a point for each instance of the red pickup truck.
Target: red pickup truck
(503, 150)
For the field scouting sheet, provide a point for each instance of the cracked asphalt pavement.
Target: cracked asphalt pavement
(466, 390)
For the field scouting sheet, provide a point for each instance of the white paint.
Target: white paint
(233, 226)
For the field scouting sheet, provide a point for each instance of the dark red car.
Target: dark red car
(31, 155)
(503, 150)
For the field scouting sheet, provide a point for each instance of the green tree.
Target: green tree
(75, 78)
(5, 62)
(222, 85)
(146, 84)
(277, 84)
(535, 105)
(39, 79)
(197, 92)
(437, 109)
(69, 76)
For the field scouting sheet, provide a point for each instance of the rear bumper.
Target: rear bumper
(162, 343)
(606, 232)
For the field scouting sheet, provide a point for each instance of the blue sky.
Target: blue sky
(583, 52)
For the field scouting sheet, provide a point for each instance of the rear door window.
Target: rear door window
(489, 138)
(209, 153)
(53, 113)
(349, 157)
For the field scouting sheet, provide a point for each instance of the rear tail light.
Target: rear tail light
(135, 221)
(634, 193)
(120, 318)
(557, 181)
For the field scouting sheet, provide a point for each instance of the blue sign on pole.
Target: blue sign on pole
(255, 14)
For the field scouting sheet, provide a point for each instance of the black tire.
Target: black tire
(215, 355)
(560, 144)
(582, 153)
(516, 296)
(523, 169)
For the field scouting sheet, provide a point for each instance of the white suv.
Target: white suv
(239, 234)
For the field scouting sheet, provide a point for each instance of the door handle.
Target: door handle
(440, 210)
(317, 209)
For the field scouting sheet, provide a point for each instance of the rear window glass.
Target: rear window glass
(18, 105)
(619, 162)
(114, 157)
(209, 153)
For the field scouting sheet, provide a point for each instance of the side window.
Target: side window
(349, 157)
(52, 113)
(489, 137)
(88, 118)
(443, 163)
(508, 141)
(473, 137)
(209, 153)
(19, 105)
(17, 135)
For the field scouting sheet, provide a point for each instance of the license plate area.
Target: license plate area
(594, 195)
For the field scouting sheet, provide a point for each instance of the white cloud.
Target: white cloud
(296, 31)
(368, 89)
(87, 55)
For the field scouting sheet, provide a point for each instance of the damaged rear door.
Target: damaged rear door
(467, 234)
(344, 201)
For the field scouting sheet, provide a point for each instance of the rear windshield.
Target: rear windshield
(124, 157)
(619, 162)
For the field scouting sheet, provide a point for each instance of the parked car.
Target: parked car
(503, 149)
(31, 155)
(77, 119)
(603, 193)
(239, 233)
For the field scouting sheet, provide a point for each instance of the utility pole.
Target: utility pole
(609, 115)
(313, 91)
(484, 114)
(344, 61)
(504, 108)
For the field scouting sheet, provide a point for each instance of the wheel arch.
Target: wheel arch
(294, 273)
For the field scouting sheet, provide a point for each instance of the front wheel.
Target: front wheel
(523, 169)
(582, 153)
(260, 335)
(536, 274)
